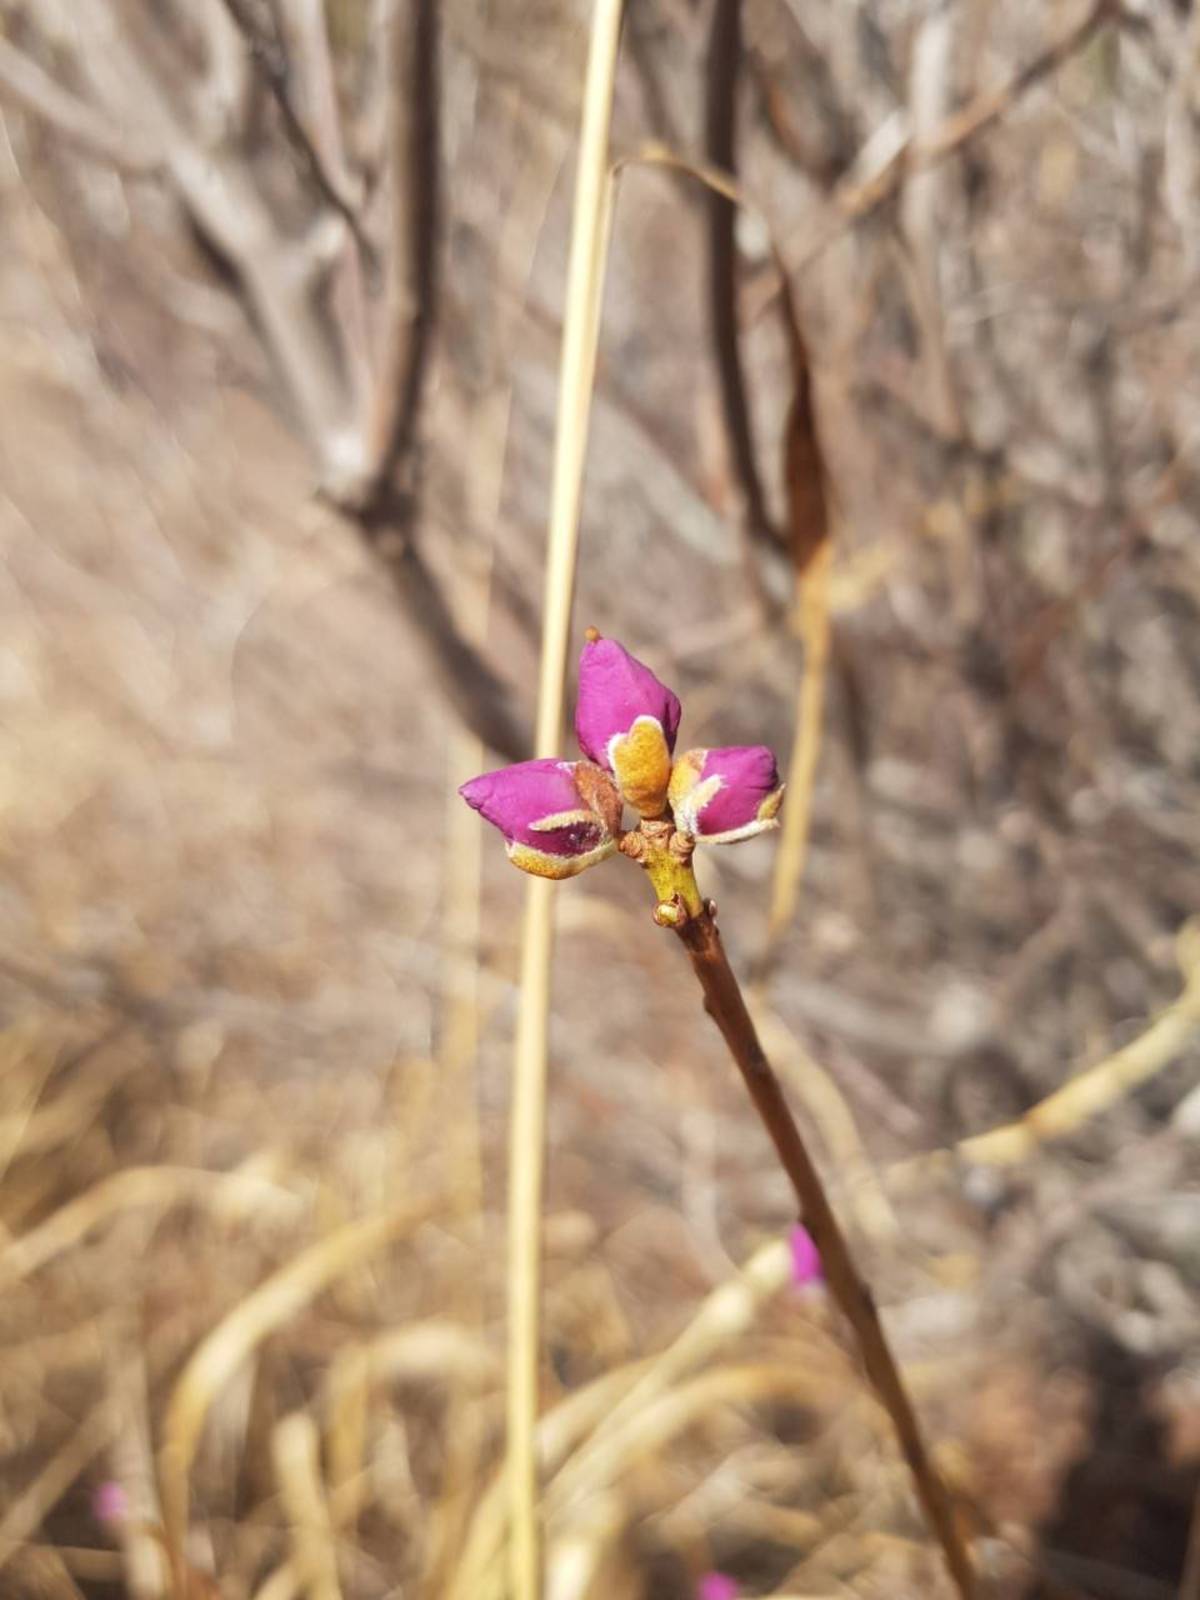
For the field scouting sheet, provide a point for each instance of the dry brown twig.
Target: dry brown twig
(351, 365)
(333, 184)
(894, 151)
(666, 856)
(724, 1002)
(35, 91)
(723, 69)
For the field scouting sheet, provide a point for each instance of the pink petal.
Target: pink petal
(515, 799)
(615, 689)
(717, 1586)
(726, 794)
(806, 1258)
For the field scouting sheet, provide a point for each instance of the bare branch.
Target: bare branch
(332, 183)
(859, 195)
(724, 65)
(411, 287)
(220, 194)
(925, 200)
(987, 108)
(306, 42)
(359, 427)
(24, 83)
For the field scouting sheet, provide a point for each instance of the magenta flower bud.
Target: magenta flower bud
(719, 796)
(717, 1586)
(626, 721)
(806, 1258)
(548, 827)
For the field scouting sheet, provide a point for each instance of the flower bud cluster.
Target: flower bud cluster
(559, 817)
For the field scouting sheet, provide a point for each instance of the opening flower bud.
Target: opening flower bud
(626, 721)
(548, 827)
(720, 796)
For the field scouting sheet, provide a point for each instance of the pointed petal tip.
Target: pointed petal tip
(615, 690)
(475, 790)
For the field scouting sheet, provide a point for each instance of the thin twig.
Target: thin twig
(855, 199)
(581, 326)
(23, 82)
(411, 290)
(271, 61)
(315, 355)
(813, 607)
(725, 1004)
(808, 502)
(990, 106)
(724, 63)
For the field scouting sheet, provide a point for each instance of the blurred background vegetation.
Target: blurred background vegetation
(281, 295)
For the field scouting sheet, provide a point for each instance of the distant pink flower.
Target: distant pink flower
(717, 1586)
(721, 796)
(806, 1258)
(110, 1503)
(538, 807)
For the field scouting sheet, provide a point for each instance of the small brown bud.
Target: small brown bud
(632, 845)
(682, 846)
(600, 794)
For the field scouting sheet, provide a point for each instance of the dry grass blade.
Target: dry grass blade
(1093, 1091)
(159, 1187)
(33, 1129)
(25, 1514)
(266, 1308)
(479, 1572)
(437, 1350)
(295, 1448)
(658, 1422)
(617, 1399)
(581, 326)
(130, 1463)
(727, 1313)
(91, 1566)
(589, 1561)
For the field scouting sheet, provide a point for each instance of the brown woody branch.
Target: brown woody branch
(358, 412)
(724, 1003)
(859, 196)
(270, 60)
(723, 69)
(24, 83)
(411, 284)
